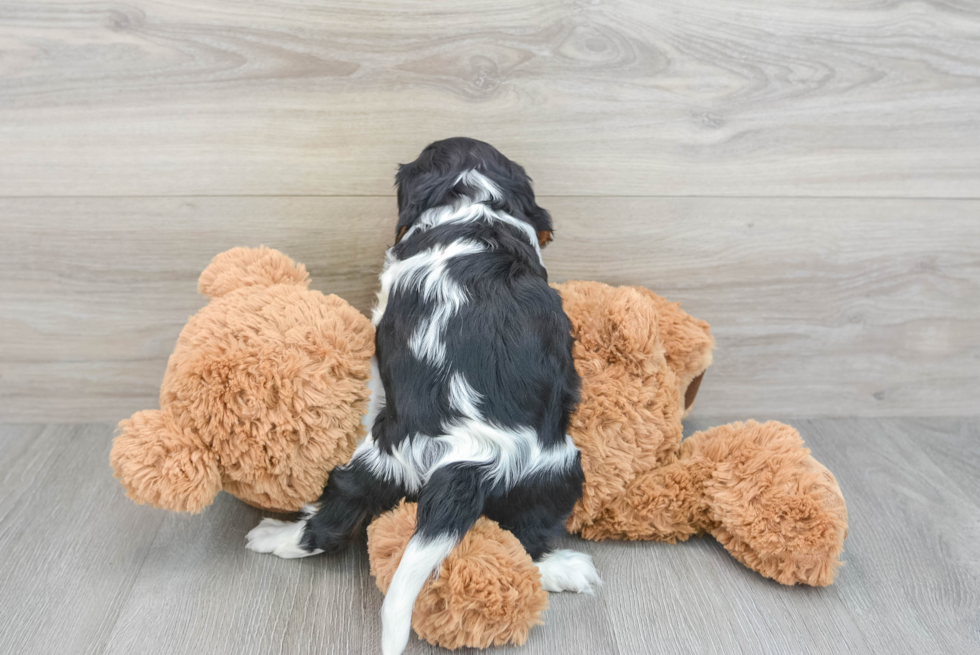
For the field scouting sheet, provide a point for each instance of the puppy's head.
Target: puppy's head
(440, 176)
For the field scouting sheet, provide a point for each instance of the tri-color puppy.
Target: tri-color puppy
(472, 386)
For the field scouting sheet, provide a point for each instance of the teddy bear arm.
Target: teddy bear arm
(163, 463)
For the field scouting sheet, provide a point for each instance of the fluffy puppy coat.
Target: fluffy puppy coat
(473, 384)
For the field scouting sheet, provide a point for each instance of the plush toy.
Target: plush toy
(264, 393)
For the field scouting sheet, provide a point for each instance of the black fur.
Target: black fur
(352, 496)
(511, 341)
(430, 181)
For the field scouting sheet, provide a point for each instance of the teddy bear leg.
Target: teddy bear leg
(769, 502)
(488, 591)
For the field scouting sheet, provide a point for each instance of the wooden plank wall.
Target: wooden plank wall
(804, 175)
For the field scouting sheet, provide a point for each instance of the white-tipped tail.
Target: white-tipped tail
(421, 559)
(568, 570)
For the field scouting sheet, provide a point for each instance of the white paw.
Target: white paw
(568, 570)
(279, 538)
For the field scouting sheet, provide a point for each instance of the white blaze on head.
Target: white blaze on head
(487, 189)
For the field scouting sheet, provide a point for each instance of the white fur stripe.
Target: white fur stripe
(507, 455)
(377, 399)
(426, 342)
(422, 557)
(468, 210)
(488, 190)
(464, 398)
(426, 271)
(504, 455)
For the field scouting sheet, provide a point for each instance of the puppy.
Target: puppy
(472, 386)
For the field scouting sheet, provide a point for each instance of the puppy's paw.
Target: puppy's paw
(568, 570)
(279, 538)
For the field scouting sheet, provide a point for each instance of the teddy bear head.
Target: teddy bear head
(262, 396)
(640, 359)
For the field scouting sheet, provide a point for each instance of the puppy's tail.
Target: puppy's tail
(449, 505)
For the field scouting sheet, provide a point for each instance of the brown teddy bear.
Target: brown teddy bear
(264, 393)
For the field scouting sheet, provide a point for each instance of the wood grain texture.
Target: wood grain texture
(206, 593)
(830, 307)
(719, 97)
(926, 586)
(805, 175)
(821, 307)
(956, 451)
(86, 571)
(71, 543)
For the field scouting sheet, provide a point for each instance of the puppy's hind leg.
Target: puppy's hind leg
(568, 570)
(561, 570)
(353, 494)
(535, 512)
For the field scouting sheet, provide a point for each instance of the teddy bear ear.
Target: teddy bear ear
(687, 342)
(163, 464)
(248, 267)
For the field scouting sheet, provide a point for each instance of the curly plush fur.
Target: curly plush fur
(263, 394)
(753, 486)
(767, 500)
(629, 418)
(488, 591)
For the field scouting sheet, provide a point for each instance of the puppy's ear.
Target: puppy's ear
(541, 220)
(401, 233)
(421, 185)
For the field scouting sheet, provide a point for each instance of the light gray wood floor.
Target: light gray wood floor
(84, 570)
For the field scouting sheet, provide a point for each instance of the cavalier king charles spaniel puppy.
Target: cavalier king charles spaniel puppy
(472, 385)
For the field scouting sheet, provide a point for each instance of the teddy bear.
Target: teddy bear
(264, 393)
(262, 397)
